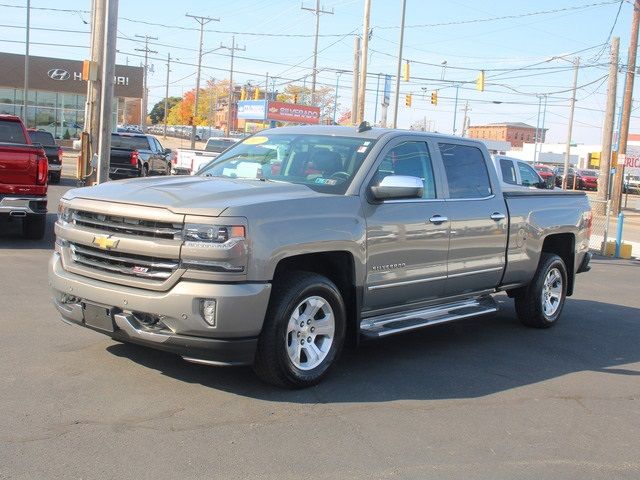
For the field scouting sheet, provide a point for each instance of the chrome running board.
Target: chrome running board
(391, 323)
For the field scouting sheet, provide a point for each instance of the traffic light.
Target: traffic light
(480, 81)
(405, 71)
(407, 100)
(434, 98)
(256, 94)
(243, 94)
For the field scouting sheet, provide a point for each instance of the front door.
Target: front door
(407, 239)
(479, 225)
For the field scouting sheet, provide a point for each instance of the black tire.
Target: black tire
(33, 226)
(529, 305)
(272, 362)
(54, 178)
(144, 171)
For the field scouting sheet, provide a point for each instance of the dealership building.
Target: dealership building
(57, 93)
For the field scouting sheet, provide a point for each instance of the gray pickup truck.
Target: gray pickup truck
(301, 240)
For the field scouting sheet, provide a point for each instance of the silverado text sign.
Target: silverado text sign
(291, 112)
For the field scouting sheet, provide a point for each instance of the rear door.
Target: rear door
(407, 239)
(478, 217)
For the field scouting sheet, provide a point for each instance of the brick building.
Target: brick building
(516, 133)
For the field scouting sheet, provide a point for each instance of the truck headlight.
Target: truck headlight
(64, 213)
(211, 234)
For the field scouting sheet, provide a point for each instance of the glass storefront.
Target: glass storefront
(60, 113)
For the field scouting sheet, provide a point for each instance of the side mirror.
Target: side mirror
(398, 186)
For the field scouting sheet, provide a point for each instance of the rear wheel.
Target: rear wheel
(303, 332)
(33, 226)
(540, 305)
(54, 178)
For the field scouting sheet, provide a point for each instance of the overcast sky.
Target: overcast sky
(516, 52)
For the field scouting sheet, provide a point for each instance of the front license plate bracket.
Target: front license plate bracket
(99, 317)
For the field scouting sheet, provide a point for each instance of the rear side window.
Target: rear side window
(43, 138)
(528, 175)
(466, 169)
(11, 132)
(508, 171)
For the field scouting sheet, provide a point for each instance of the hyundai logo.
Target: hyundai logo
(58, 74)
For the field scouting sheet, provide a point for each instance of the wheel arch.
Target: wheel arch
(563, 245)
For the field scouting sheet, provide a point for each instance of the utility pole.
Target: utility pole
(455, 109)
(375, 110)
(356, 79)
(108, 84)
(537, 134)
(94, 87)
(538, 150)
(233, 49)
(166, 97)
(397, 94)
(26, 66)
(202, 21)
(465, 118)
(626, 111)
(607, 130)
(567, 154)
(362, 88)
(145, 92)
(317, 11)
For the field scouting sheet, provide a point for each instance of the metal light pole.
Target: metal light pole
(335, 99)
(233, 49)
(166, 97)
(567, 154)
(397, 94)
(375, 111)
(455, 110)
(362, 88)
(26, 65)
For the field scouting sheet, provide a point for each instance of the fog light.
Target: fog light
(208, 311)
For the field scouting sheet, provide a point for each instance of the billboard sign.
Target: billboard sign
(291, 112)
(251, 109)
(386, 98)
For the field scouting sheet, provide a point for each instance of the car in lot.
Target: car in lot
(137, 155)
(299, 240)
(546, 173)
(516, 173)
(571, 176)
(632, 184)
(24, 172)
(51, 150)
(587, 179)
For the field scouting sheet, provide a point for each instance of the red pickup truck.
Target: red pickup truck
(23, 178)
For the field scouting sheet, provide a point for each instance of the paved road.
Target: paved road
(484, 399)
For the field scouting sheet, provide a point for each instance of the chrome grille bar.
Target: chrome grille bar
(132, 226)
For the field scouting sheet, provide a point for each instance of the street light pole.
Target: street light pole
(567, 154)
(335, 99)
(397, 93)
(375, 111)
(166, 97)
(233, 48)
(362, 88)
(455, 110)
(26, 66)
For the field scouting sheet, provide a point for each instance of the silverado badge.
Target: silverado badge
(105, 242)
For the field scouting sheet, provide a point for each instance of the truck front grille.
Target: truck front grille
(127, 225)
(123, 263)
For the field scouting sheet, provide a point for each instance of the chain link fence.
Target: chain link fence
(600, 221)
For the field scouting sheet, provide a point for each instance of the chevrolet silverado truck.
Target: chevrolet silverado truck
(51, 150)
(298, 241)
(23, 178)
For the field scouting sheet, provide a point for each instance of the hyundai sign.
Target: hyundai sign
(252, 109)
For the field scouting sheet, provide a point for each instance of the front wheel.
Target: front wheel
(540, 305)
(303, 332)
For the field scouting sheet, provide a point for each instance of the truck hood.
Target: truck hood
(192, 195)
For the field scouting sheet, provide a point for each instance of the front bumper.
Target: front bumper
(118, 173)
(179, 326)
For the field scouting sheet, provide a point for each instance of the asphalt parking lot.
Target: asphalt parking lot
(483, 398)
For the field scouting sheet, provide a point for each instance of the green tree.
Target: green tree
(157, 112)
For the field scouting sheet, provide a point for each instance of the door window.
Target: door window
(466, 169)
(410, 159)
(528, 175)
(508, 171)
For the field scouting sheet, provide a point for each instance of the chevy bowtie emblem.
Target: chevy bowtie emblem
(105, 243)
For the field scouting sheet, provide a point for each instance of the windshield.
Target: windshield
(589, 173)
(43, 138)
(323, 162)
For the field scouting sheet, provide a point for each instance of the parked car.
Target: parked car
(24, 172)
(632, 184)
(559, 173)
(51, 150)
(516, 173)
(137, 155)
(587, 179)
(187, 161)
(547, 174)
(299, 240)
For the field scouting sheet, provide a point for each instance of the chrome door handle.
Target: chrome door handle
(438, 219)
(497, 216)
